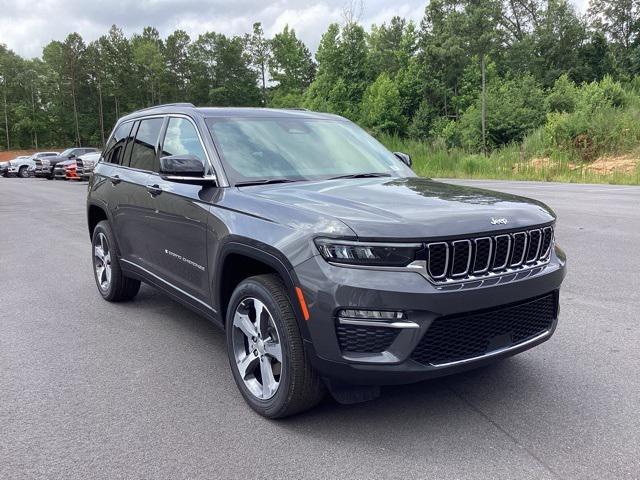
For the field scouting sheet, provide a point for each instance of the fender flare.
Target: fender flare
(269, 256)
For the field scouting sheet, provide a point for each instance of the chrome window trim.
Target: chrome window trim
(486, 269)
(167, 116)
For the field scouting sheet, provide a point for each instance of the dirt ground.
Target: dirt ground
(11, 154)
(605, 165)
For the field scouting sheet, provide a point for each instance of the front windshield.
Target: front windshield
(67, 152)
(256, 149)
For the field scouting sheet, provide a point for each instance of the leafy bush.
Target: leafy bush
(603, 119)
(380, 110)
(515, 107)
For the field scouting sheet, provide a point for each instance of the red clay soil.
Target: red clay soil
(11, 154)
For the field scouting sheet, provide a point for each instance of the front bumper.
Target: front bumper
(44, 171)
(329, 288)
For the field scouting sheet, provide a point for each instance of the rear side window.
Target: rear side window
(126, 155)
(182, 139)
(115, 147)
(143, 153)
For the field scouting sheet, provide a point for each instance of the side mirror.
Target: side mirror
(405, 157)
(184, 168)
(72, 156)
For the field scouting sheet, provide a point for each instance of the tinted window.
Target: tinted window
(126, 156)
(143, 154)
(115, 147)
(182, 139)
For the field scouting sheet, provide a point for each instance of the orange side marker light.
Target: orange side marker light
(303, 304)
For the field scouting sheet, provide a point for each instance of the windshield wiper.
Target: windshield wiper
(266, 181)
(362, 175)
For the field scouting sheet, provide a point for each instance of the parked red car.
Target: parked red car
(71, 170)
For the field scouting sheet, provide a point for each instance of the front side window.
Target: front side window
(299, 149)
(143, 152)
(182, 139)
(116, 144)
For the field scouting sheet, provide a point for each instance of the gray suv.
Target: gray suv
(329, 264)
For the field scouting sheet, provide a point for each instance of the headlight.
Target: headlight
(45, 162)
(368, 253)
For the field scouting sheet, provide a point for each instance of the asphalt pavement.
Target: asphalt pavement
(92, 390)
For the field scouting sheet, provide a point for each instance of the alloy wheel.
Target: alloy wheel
(102, 261)
(257, 349)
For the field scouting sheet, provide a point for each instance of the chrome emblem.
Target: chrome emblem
(499, 221)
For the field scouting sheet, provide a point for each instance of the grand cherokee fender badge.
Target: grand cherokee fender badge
(183, 259)
(499, 221)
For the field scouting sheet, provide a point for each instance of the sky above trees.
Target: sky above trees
(27, 26)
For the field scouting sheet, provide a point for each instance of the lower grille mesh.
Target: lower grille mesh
(459, 337)
(357, 339)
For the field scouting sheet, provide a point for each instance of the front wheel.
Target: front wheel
(23, 172)
(112, 284)
(266, 352)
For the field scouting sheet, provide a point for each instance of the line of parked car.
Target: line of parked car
(75, 163)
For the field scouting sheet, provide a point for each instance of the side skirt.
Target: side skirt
(135, 271)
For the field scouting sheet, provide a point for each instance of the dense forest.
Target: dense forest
(474, 75)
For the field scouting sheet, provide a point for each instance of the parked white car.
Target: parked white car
(21, 166)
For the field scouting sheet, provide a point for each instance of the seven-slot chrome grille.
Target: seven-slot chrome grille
(473, 258)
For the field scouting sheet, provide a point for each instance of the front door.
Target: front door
(178, 237)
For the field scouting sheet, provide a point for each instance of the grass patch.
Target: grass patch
(529, 160)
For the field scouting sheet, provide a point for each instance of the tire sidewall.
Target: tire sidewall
(104, 228)
(253, 288)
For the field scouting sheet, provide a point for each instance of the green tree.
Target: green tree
(228, 74)
(147, 53)
(176, 56)
(381, 107)
(517, 106)
(291, 65)
(259, 49)
(343, 73)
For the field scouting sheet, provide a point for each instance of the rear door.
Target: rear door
(134, 202)
(178, 232)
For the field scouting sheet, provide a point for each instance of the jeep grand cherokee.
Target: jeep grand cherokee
(326, 260)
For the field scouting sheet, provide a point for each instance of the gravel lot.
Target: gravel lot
(90, 389)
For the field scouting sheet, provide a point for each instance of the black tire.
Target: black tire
(120, 288)
(23, 172)
(300, 387)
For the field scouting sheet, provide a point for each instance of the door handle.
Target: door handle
(154, 190)
(115, 180)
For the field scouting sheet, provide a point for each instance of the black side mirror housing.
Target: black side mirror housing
(184, 169)
(405, 157)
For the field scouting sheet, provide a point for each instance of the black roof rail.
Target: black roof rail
(183, 104)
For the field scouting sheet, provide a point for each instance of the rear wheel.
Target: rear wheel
(266, 352)
(112, 284)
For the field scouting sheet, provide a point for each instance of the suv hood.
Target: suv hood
(409, 208)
